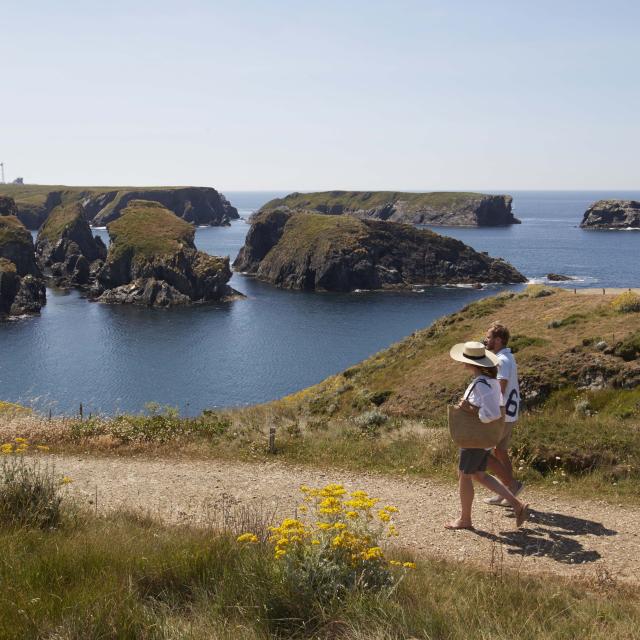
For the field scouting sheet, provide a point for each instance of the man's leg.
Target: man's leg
(497, 487)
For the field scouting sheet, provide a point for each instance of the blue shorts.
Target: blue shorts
(473, 460)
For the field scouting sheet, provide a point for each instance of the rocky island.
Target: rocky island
(100, 205)
(152, 261)
(66, 247)
(342, 253)
(22, 287)
(437, 208)
(612, 214)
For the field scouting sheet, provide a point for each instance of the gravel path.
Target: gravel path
(589, 539)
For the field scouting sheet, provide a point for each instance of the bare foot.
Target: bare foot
(522, 514)
(458, 524)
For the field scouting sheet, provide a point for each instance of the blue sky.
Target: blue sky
(299, 95)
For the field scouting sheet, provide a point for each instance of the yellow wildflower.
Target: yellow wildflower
(391, 509)
(372, 553)
(6, 448)
(21, 441)
(42, 447)
(324, 526)
(352, 514)
(247, 537)
(339, 525)
(280, 553)
(395, 563)
(303, 508)
(66, 480)
(384, 516)
(315, 541)
(330, 506)
(409, 565)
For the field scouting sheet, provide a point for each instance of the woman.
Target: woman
(482, 398)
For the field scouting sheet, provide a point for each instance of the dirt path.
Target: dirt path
(589, 539)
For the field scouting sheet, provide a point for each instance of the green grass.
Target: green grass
(147, 229)
(357, 200)
(126, 576)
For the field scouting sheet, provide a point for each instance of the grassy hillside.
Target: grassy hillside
(579, 358)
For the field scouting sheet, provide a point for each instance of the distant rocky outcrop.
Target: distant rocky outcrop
(152, 261)
(342, 253)
(22, 287)
(198, 205)
(437, 208)
(558, 277)
(66, 247)
(612, 214)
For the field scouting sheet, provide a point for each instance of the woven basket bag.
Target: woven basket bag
(469, 432)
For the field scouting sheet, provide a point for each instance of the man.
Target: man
(496, 340)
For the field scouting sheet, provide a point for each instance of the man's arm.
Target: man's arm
(503, 385)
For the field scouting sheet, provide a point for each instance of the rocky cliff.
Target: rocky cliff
(22, 287)
(612, 214)
(66, 247)
(342, 253)
(198, 205)
(438, 208)
(153, 261)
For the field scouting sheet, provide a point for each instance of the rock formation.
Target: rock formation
(612, 214)
(342, 253)
(438, 208)
(66, 246)
(198, 205)
(22, 287)
(152, 261)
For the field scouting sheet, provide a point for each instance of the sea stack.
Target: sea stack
(612, 214)
(316, 252)
(22, 289)
(437, 208)
(66, 247)
(152, 261)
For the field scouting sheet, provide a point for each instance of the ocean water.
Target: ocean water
(274, 342)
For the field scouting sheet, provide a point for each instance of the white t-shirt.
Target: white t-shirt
(508, 370)
(484, 393)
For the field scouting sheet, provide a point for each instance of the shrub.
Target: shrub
(371, 420)
(380, 397)
(29, 493)
(538, 291)
(629, 349)
(334, 548)
(626, 302)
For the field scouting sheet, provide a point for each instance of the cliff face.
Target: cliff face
(438, 208)
(612, 214)
(22, 287)
(334, 253)
(153, 261)
(100, 205)
(66, 246)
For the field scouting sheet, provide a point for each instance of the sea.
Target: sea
(114, 359)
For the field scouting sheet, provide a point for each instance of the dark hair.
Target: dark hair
(490, 372)
(498, 330)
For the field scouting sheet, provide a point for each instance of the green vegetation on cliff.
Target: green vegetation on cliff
(13, 231)
(147, 230)
(59, 220)
(354, 200)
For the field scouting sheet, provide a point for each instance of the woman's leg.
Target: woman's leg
(465, 489)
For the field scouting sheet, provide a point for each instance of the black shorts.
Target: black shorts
(473, 460)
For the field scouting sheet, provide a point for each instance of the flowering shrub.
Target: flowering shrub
(29, 493)
(626, 302)
(335, 546)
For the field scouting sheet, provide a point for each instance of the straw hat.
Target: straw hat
(473, 353)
